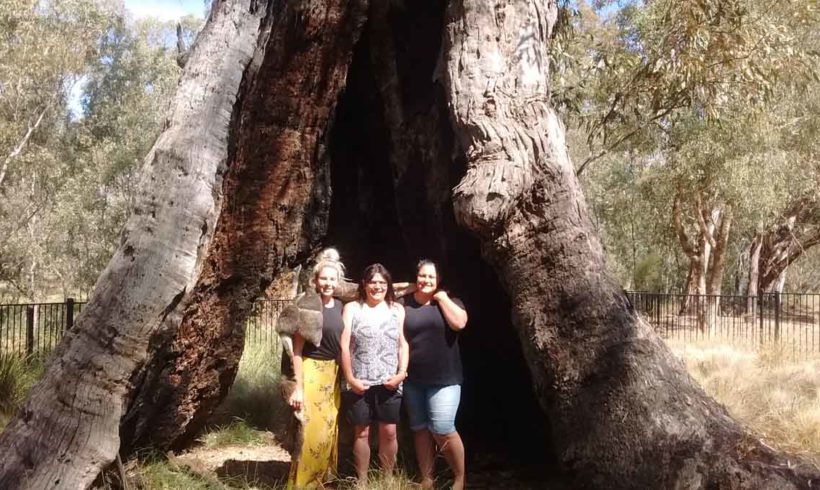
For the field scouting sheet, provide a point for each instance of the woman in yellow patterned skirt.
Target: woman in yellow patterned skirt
(316, 397)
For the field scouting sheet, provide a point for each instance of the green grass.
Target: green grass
(156, 473)
(237, 432)
(254, 396)
(376, 480)
(17, 376)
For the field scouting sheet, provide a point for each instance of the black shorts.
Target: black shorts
(377, 404)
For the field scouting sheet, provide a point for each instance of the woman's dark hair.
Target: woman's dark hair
(424, 262)
(368, 273)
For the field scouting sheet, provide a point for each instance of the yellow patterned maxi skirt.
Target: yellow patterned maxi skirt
(317, 462)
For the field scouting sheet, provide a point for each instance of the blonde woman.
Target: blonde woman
(316, 397)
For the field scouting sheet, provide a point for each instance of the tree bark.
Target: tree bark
(623, 411)
(698, 250)
(233, 189)
(717, 264)
(276, 211)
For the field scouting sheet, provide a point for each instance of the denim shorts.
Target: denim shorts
(432, 407)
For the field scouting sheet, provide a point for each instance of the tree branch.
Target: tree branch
(11, 156)
(685, 243)
(704, 229)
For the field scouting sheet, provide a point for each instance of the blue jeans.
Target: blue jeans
(432, 407)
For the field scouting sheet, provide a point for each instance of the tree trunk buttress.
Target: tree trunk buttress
(69, 426)
(623, 411)
(168, 312)
(276, 209)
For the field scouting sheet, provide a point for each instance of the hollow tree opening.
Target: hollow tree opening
(392, 171)
(255, 102)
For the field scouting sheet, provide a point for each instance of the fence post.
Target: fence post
(760, 314)
(777, 305)
(29, 330)
(69, 313)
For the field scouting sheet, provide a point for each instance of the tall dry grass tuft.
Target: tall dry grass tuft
(254, 396)
(17, 376)
(776, 397)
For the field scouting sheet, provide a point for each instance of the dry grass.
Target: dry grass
(775, 396)
(376, 480)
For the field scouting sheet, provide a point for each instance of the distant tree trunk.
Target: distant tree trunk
(697, 249)
(717, 265)
(754, 270)
(784, 242)
(236, 188)
(707, 259)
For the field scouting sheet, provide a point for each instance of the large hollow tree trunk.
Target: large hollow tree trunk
(237, 187)
(623, 411)
(233, 189)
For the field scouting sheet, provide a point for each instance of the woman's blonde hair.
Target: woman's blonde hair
(329, 257)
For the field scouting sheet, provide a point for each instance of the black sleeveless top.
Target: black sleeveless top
(435, 357)
(330, 348)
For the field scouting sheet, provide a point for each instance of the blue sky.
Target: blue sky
(165, 9)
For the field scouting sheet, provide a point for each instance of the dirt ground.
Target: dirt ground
(267, 465)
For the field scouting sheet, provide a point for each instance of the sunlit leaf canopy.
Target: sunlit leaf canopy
(711, 99)
(83, 90)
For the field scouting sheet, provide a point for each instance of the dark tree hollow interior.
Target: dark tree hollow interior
(391, 203)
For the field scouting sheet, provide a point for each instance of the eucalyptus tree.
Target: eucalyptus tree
(45, 49)
(239, 184)
(125, 96)
(680, 82)
(790, 225)
(72, 178)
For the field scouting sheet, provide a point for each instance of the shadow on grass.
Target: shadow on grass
(259, 473)
(255, 397)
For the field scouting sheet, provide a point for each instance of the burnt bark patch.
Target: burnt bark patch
(270, 191)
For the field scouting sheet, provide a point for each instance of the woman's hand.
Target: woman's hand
(454, 314)
(357, 386)
(393, 383)
(296, 399)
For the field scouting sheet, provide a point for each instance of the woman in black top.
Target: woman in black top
(316, 397)
(432, 391)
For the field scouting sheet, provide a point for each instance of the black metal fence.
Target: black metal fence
(261, 325)
(789, 322)
(36, 328)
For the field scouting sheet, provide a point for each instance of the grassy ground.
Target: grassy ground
(775, 396)
(778, 398)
